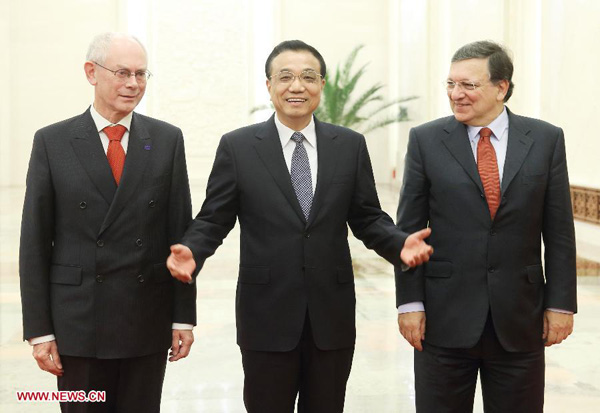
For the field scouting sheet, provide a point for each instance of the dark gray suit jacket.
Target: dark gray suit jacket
(478, 265)
(289, 265)
(92, 256)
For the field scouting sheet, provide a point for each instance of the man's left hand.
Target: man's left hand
(557, 327)
(416, 251)
(181, 345)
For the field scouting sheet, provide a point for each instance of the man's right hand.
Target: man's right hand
(46, 355)
(412, 327)
(181, 263)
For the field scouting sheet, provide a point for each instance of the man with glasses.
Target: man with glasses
(491, 185)
(107, 194)
(294, 183)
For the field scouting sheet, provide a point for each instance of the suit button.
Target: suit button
(491, 269)
(152, 203)
(100, 243)
(140, 278)
(307, 235)
(493, 232)
(99, 279)
(83, 205)
(138, 242)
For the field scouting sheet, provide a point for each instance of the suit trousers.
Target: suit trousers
(445, 378)
(131, 384)
(273, 379)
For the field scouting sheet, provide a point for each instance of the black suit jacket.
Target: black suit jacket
(479, 265)
(289, 265)
(92, 256)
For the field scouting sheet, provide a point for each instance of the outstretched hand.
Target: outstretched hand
(181, 263)
(416, 251)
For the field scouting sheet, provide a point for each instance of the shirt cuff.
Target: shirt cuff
(181, 326)
(558, 310)
(413, 307)
(42, 339)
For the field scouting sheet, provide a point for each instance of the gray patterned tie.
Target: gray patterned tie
(300, 173)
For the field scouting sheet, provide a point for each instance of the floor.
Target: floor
(210, 379)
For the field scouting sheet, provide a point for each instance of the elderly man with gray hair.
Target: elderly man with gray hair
(107, 194)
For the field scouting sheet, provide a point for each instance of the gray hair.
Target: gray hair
(100, 44)
(500, 66)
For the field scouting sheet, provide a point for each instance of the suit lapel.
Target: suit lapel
(327, 159)
(138, 155)
(518, 148)
(88, 148)
(457, 142)
(268, 147)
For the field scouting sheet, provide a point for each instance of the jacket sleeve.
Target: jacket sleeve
(35, 250)
(559, 235)
(179, 216)
(413, 215)
(366, 219)
(219, 210)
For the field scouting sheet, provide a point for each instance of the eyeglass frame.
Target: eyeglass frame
(146, 72)
(470, 86)
(294, 76)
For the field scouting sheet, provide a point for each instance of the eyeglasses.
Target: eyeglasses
(450, 85)
(123, 74)
(308, 77)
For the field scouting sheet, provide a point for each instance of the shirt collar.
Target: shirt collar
(498, 126)
(102, 122)
(285, 133)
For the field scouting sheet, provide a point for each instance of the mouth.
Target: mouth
(128, 97)
(295, 101)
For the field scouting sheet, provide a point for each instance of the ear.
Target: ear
(90, 72)
(502, 89)
(269, 85)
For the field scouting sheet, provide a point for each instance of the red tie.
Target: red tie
(488, 170)
(115, 153)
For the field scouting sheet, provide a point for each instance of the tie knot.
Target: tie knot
(115, 133)
(485, 133)
(297, 137)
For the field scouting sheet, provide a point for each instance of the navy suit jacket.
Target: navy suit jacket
(479, 265)
(289, 265)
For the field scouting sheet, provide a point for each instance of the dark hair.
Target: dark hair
(500, 64)
(296, 45)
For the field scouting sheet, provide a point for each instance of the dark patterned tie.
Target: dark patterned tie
(488, 170)
(300, 174)
(115, 152)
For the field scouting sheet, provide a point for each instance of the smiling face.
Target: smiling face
(115, 98)
(477, 107)
(295, 102)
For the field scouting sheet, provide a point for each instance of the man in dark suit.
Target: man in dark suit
(491, 185)
(101, 210)
(294, 184)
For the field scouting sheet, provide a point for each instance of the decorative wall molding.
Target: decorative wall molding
(586, 204)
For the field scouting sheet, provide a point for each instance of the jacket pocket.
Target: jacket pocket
(534, 179)
(345, 275)
(439, 269)
(63, 274)
(254, 275)
(160, 273)
(535, 274)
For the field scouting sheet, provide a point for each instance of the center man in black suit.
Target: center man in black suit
(294, 183)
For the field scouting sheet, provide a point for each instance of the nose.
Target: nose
(296, 84)
(131, 81)
(456, 93)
